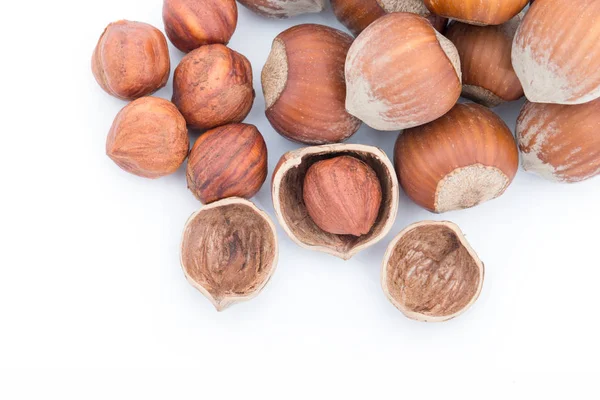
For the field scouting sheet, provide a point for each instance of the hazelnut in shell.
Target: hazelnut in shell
(283, 8)
(477, 12)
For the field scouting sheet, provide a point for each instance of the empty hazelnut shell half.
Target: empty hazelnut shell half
(283, 8)
(477, 12)
(430, 272)
(229, 251)
(304, 87)
(288, 201)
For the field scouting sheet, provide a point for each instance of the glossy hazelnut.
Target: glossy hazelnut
(291, 209)
(477, 12)
(304, 87)
(213, 87)
(487, 73)
(227, 161)
(283, 8)
(431, 273)
(458, 161)
(400, 73)
(560, 142)
(148, 138)
(190, 24)
(131, 60)
(229, 251)
(556, 52)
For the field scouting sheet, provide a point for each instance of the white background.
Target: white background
(93, 302)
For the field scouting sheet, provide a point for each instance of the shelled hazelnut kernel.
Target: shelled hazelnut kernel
(477, 12)
(283, 8)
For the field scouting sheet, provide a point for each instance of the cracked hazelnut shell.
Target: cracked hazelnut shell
(458, 161)
(229, 251)
(287, 192)
(431, 273)
(283, 8)
(477, 12)
(560, 142)
(148, 138)
(190, 24)
(228, 161)
(131, 60)
(212, 86)
(304, 87)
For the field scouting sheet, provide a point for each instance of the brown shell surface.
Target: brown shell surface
(479, 12)
(283, 8)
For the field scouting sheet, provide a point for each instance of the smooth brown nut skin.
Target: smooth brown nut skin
(283, 8)
(213, 87)
(487, 73)
(190, 24)
(458, 161)
(148, 138)
(227, 161)
(560, 142)
(342, 195)
(131, 60)
(304, 86)
(477, 12)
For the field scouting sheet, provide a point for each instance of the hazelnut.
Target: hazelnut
(148, 138)
(400, 73)
(430, 272)
(560, 142)
(191, 23)
(131, 60)
(229, 251)
(487, 73)
(291, 209)
(227, 161)
(304, 87)
(213, 87)
(477, 12)
(458, 161)
(342, 195)
(283, 8)
(356, 15)
(556, 52)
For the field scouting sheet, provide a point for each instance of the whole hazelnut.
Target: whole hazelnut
(430, 272)
(131, 60)
(191, 23)
(148, 138)
(342, 195)
(227, 161)
(213, 87)
(292, 210)
(556, 52)
(477, 12)
(458, 161)
(487, 73)
(304, 87)
(229, 251)
(400, 73)
(560, 142)
(283, 8)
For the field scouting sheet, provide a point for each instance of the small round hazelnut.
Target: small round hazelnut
(148, 138)
(131, 60)
(477, 12)
(283, 8)
(191, 23)
(342, 195)
(304, 87)
(227, 161)
(400, 73)
(229, 251)
(213, 87)
(430, 272)
(458, 161)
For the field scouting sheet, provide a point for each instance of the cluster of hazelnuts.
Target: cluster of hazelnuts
(404, 70)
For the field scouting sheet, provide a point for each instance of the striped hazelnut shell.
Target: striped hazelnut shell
(477, 12)
(283, 8)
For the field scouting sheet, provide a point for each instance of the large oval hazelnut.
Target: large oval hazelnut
(148, 138)
(191, 23)
(560, 142)
(131, 60)
(283, 8)
(556, 52)
(430, 272)
(213, 87)
(304, 87)
(227, 161)
(229, 251)
(477, 12)
(458, 161)
(400, 73)
(291, 209)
